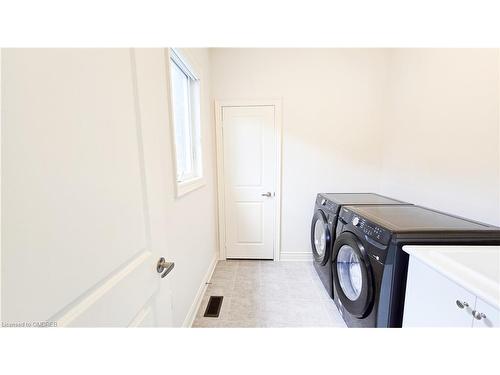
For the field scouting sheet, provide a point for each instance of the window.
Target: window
(185, 93)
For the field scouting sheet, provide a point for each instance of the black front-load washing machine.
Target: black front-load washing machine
(324, 224)
(369, 267)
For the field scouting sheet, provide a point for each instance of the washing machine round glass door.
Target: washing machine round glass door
(320, 237)
(349, 271)
(352, 275)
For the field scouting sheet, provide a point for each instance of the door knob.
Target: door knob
(164, 266)
(268, 194)
(461, 304)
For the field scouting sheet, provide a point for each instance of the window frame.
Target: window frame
(196, 179)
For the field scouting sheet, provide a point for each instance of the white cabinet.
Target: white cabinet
(433, 300)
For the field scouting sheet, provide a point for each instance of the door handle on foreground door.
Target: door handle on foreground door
(164, 266)
(268, 194)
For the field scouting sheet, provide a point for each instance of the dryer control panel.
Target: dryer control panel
(369, 229)
(326, 204)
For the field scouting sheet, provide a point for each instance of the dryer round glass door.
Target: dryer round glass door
(349, 271)
(320, 238)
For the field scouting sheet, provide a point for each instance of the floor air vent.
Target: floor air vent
(213, 307)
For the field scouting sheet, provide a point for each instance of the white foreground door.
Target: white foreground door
(250, 152)
(80, 217)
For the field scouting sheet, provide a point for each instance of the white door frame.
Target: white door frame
(219, 104)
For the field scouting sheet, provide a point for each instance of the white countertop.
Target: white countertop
(476, 268)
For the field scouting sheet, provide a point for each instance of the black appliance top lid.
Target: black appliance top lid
(417, 219)
(359, 198)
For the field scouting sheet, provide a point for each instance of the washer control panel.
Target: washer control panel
(369, 229)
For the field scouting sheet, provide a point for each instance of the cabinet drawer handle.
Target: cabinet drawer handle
(478, 315)
(461, 304)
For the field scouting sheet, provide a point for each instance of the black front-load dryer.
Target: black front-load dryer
(324, 224)
(369, 267)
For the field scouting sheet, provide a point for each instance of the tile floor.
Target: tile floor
(268, 294)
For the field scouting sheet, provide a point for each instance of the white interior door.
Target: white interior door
(80, 233)
(250, 152)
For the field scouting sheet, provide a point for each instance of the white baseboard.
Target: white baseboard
(191, 315)
(297, 256)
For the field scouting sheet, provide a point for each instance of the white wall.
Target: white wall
(419, 125)
(192, 226)
(442, 130)
(332, 112)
